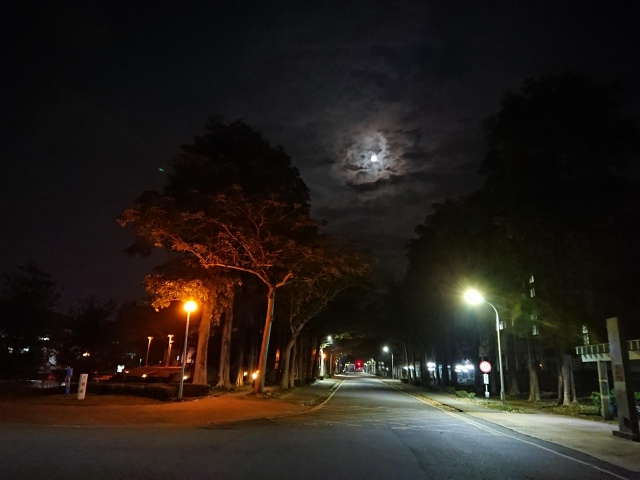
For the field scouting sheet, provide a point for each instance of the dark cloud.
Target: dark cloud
(97, 96)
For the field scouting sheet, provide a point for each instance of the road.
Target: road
(366, 430)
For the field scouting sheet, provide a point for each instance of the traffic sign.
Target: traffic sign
(486, 378)
(485, 367)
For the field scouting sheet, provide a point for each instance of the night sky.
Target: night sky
(97, 97)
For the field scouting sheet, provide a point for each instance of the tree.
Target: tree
(333, 269)
(258, 235)
(182, 280)
(31, 330)
(557, 174)
(90, 342)
(227, 158)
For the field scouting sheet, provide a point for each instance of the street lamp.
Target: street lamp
(189, 306)
(474, 297)
(169, 351)
(146, 363)
(386, 350)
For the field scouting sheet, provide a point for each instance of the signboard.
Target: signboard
(485, 367)
(486, 378)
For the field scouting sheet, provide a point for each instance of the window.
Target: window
(532, 292)
(501, 324)
(531, 279)
(535, 330)
(585, 335)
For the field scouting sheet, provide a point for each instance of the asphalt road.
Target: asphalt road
(367, 430)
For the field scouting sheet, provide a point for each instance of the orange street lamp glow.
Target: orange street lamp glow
(189, 306)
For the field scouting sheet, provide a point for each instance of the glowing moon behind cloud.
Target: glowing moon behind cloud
(374, 158)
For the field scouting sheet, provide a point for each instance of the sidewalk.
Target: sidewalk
(586, 436)
(200, 412)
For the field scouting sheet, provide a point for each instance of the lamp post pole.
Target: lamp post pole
(189, 307)
(386, 350)
(503, 396)
(475, 298)
(146, 363)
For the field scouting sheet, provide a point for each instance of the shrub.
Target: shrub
(450, 390)
(465, 394)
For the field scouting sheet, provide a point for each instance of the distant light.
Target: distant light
(161, 169)
(190, 306)
(245, 374)
(185, 377)
(86, 354)
(144, 375)
(254, 375)
(329, 338)
(120, 368)
(374, 158)
(385, 349)
(431, 364)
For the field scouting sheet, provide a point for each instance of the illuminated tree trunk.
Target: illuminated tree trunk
(534, 385)
(266, 334)
(225, 349)
(200, 372)
(240, 361)
(292, 369)
(287, 364)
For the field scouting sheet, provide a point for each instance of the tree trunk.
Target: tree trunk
(240, 360)
(301, 365)
(566, 380)
(574, 397)
(316, 361)
(560, 386)
(200, 371)
(286, 362)
(225, 349)
(534, 385)
(264, 348)
(292, 366)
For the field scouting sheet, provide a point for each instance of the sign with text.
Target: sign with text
(485, 367)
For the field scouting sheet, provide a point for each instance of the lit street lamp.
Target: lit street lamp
(189, 306)
(474, 297)
(146, 363)
(386, 350)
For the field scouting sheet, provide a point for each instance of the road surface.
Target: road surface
(367, 430)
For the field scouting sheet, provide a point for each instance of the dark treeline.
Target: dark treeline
(551, 240)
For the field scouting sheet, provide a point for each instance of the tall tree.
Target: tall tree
(333, 269)
(182, 280)
(31, 330)
(261, 236)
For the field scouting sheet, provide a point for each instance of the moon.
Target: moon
(374, 158)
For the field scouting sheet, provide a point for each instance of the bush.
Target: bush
(465, 394)
(156, 391)
(450, 390)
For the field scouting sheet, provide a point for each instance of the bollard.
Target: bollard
(82, 386)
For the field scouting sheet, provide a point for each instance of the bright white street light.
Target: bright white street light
(475, 298)
(386, 349)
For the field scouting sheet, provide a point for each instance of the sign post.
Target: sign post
(82, 386)
(485, 368)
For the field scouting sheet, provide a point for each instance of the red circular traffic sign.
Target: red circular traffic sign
(485, 367)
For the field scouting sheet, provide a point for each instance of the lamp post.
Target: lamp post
(474, 297)
(189, 306)
(146, 363)
(386, 350)
(169, 351)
